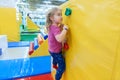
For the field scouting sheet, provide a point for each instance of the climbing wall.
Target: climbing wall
(94, 40)
(116, 71)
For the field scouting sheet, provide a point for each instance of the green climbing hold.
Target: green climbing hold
(68, 11)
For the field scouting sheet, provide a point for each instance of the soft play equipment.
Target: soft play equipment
(39, 77)
(42, 50)
(8, 20)
(19, 59)
(93, 37)
(94, 40)
(28, 36)
(19, 44)
(3, 43)
(16, 64)
(36, 45)
(29, 32)
(40, 40)
(17, 68)
(31, 25)
(45, 36)
(31, 48)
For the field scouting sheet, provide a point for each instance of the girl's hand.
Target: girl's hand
(65, 27)
(61, 26)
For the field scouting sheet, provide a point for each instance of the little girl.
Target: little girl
(56, 36)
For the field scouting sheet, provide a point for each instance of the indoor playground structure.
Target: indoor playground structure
(93, 38)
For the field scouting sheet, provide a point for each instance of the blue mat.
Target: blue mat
(18, 68)
(18, 44)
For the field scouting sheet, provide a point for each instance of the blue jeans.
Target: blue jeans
(58, 59)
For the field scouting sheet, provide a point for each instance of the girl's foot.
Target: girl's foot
(55, 66)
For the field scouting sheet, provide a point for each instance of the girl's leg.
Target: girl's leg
(61, 66)
(54, 60)
(55, 63)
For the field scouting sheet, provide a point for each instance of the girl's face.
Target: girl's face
(57, 18)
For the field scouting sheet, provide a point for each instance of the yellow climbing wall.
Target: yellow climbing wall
(116, 71)
(8, 24)
(94, 40)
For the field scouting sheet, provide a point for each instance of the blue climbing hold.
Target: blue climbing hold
(36, 45)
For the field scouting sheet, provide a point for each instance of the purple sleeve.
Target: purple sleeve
(56, 31)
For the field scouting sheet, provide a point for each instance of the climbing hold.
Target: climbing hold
(45, 36)
(66, 46)
(40, 40)
(31, 48)
(36, 43)
(68, 11)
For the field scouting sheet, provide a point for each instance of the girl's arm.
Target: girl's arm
(62, 36)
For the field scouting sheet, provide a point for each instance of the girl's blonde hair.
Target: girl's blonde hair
(49, 14)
